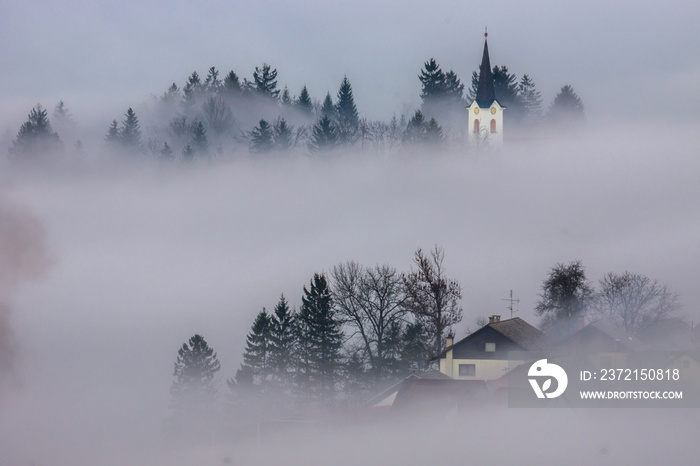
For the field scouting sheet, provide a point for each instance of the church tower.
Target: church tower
(485, 112)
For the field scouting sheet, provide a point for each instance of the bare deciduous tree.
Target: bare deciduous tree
(217, 115)
(370, 301)
(634, 302)
(432, 297)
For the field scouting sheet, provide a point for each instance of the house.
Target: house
(485, 112)
(488, 353)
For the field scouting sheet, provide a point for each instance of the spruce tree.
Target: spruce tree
(112, 136)
(166, 152)
(35, 136)
(303, 103)
(188, 152)
(286, 97)
(262, 138)
(454, 91)
(232, 85)
(193, 389)
(130, 132)
(328, 109)
(283, 135)
(567, 108)
(282, 343)
(433, 133)
(346, 109)
(505, 84)
(321, 332)
(212, 83)
(192, 89)
(324, 136)
(415, 130)
(530, 98)
(258, 350)
(200, 143)
(265, 81)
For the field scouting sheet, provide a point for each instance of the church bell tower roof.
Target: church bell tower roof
(485, 93)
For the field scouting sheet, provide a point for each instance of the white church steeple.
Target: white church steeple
(485, 112)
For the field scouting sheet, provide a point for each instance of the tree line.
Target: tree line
(358, 329)
(217, 116)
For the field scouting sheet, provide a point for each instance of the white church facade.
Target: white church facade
(485, 127)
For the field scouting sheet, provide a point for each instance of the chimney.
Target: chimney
(580, 323)
(494, 318)
(447, 364)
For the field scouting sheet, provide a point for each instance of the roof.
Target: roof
(613, 337)
(485, 93)
(516, 330)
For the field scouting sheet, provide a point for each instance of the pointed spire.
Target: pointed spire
(485, 94)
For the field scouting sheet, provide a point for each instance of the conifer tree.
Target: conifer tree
(414, 351)
(346, 109)
(112, 136)
(265, 81)
(212, 83)
(283, 135)
(286, 98)
(192, 89)
(433, 133)
(327, 108)
(200, 143)
(262, 138)
(432, 80)
(35, 136)
(324, 136)
(454, 90)
(166, 152)
(188, 152)
(282, 343)
(130, 132)
(232, 85)
(303, 103)
(322, 336)
(530, 98)
(567, 107)
(258, 350)
(193, 389)
(415, 130)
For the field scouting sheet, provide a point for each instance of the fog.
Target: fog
(107, 266)
(139, 256)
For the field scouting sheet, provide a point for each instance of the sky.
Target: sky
(622, 58)
(119, 264)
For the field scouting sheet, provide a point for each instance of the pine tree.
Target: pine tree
(262, 138)
(257, 353)
(432, 80)
(530, 98)
(322, 339)
(283, 135)
(188, 152)
(328, 109)
(35, 136)
(232, 85)
(200, 143)
(454, 90)
(212, 83)
(324, 136)
(130, 132)
(474, 87)
(192, 89)
(286, 98)
(303, 103)
(433, 133)
(265, 81)
(505, 84)
(567, 108)
(414, 348)
(282, 343)
(346, 109)
(166, 152)
(171, 95)
(112, 136)
(415, 130)
(193, 389)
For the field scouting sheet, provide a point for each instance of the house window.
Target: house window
(467, 370)
(476, 126)
(493, 126)
(490, 347)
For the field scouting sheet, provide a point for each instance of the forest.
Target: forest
(224, 115)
